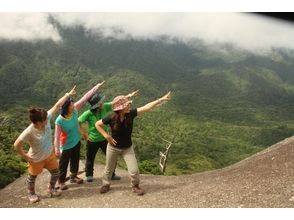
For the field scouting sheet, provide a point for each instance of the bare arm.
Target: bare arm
(132, 94)
(150, 105)
(61, 101)
(99, 126)
(86, 96)
(18, 146)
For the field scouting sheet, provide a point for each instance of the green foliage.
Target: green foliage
(149, 167)
(227, 104)
(11, 167)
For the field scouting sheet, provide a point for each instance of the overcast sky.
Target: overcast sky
(248, 31)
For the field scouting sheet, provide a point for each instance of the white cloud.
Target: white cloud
(26, 26)
(245, 30)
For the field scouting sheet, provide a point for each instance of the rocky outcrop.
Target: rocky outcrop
(262, 180)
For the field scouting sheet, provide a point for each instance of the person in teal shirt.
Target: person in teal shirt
(95, 140)
(67, 137)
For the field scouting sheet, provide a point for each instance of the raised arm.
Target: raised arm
(87, 95)
(132, 94)
(61, 101)
(99, 126)
(150, 105)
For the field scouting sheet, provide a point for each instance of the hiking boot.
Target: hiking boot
(89, 178)
(33, 197)
(139, 191)
(115, 177)
(104, 189)
(76, 180)
(62, 186)
(53, 192)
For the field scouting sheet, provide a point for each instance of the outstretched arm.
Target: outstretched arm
(99, 126)
(150, 105)
(132, 94)
(86, 96)
(61, 101)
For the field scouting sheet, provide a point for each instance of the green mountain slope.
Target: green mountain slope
(225, 106)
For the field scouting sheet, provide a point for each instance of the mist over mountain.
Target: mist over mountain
(227, 102)
(249, 31)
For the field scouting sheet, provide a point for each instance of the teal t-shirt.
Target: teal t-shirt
(92, 118)
(70, 135)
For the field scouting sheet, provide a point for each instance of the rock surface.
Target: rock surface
(265, 179)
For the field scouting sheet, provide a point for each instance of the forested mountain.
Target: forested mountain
(227, 103)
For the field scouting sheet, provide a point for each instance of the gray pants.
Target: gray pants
(129, 157)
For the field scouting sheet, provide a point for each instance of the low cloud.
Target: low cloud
(245, 30)
(26, 26)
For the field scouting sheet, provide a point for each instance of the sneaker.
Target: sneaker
(62, 186)
(115, 177)
(76, 180)
(33, 197)
(53, 192)
(104, 189)
(89, 178)
(139, 191)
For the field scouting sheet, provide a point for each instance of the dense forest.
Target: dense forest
(227, 103)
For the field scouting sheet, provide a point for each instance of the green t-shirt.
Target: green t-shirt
(92, 118)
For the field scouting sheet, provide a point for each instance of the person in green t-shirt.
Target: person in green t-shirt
(95, 140)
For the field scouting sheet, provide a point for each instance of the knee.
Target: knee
(134, 171)
(55, 173)
(31, 178)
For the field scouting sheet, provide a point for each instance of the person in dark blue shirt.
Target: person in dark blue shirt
(120, 141)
